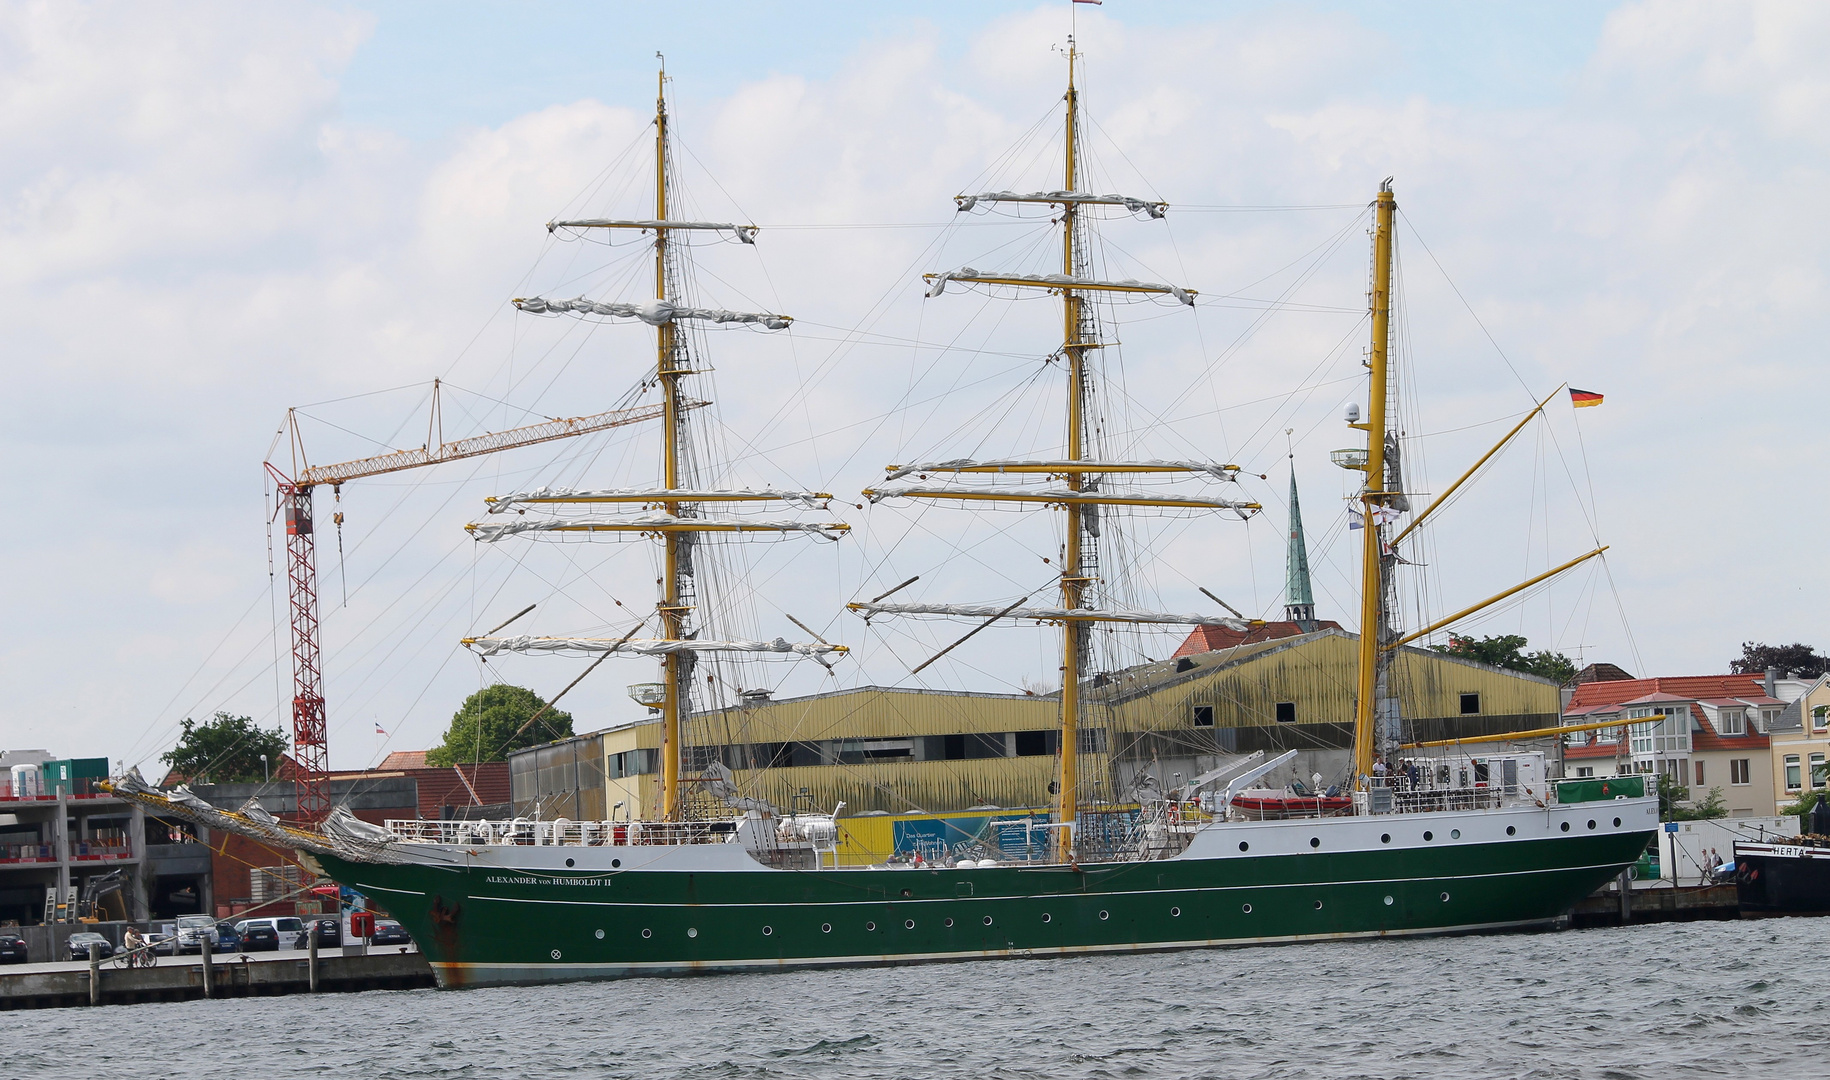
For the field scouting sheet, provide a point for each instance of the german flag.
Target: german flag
(1582, 399)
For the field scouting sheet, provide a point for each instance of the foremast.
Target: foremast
(1081, 493)
(681, 499)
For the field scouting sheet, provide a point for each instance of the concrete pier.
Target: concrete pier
(45, 986)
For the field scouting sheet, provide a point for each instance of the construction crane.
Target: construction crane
(310, 745)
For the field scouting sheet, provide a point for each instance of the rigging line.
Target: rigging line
(1226, 355)
(1307, 389)
(185, 685)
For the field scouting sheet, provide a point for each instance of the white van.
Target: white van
(286, 930)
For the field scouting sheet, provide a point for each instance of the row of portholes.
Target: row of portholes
(909, 924)
(1454, 834)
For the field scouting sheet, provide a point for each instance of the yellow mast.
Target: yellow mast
(1073, 574)
(1373, 495)
(672, 611)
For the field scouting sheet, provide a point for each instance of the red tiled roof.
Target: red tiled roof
(1691, 688)
(442, 787)
(1214, 638)
(404, 759)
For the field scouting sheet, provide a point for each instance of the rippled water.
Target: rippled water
(1700, 999)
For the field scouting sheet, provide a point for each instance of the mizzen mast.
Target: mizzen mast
(1372, 692)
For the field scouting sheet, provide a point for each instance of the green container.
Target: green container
(73, 775)
(1600, 789)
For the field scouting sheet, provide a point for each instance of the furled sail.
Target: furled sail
(653, 312)
(812, 500)
(1064, 198)
(1058, 496)
(1082, 467)
(937, 283)
(745, 233)
(658, 523)
(1049, 614)
(571, 646)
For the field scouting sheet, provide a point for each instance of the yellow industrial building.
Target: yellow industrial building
(901, 755)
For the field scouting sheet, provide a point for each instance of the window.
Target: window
(1586, 770)
(1204, 716)
(1665, 729)
(1577, 738)
(1819, 771)
(1700, 781)
(1286, 712)
(1731, 721)
(1792, 777)
(1738, 771)
(1820, 718)
(1034, 743)
(1470, 704)
(1769, 717)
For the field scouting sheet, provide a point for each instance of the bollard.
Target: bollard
(1626, 897)
(95, 973)
(311, 960)
(209, 990)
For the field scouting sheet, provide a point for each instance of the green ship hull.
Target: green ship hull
(530, 919)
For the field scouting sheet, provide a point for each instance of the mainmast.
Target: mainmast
(675, 513)
(1075, 483)
(1373, 693)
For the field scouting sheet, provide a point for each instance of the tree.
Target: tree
(225, 750)
(1670, 794)
(1712, 806)
(494, 721)
(1757, 656)
(1507, 651)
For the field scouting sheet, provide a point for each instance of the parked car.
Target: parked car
(390, 932)
(228, 939)
(193, 931)
(285, 931)
(163, 944)
(329, 932)
(12, 949)
(79, 945)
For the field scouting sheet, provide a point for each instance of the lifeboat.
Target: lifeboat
(1266, 804)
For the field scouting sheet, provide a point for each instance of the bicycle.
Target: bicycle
(142, 957)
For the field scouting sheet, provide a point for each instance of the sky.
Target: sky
(214, 213)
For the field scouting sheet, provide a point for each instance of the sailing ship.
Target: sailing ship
(1453, 841)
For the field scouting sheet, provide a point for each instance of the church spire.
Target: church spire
(1299, 598)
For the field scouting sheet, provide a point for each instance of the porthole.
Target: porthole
(906, 893)
(825, 928)
(767, 930)
(1445, 898)
(1243, 846)
(1388, 901)
(1455, 834)
(870, 926)
(1591, 824)
(1617, 823)
(555, 954)
(908, 924)
(600, 935)
(615, 863)
(1247, 908)
(1512, 830)
(1046, 917)
(570, 864)
(1104, 915)
(947, 922)
(987, 920)
(692, 931)
(1566, 826)
(1315, 841)
(647, 933)
(1385, 838)
(1318, 905)
(1429, 836)
(1175, 912)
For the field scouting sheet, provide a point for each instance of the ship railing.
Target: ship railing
(562, 832)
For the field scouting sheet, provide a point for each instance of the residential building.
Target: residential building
(1801, 745)
(1704, 732)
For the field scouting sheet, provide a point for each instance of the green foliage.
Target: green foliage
(486, 727)
(1798, 658)
(1674, 802)
(1670, 794)
(1508, 651)
(224, 750)
(1712, 806)
(1801, 809)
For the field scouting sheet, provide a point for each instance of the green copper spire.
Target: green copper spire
(1299, 598)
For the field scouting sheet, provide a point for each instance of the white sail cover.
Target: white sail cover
(812, 500)
(746, 233)
(938, 282)
(1049, 614)
(827, 530)
(1218, 472)
(1148, 206)
(1104, 497)
(648, 646)
(653, 312)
